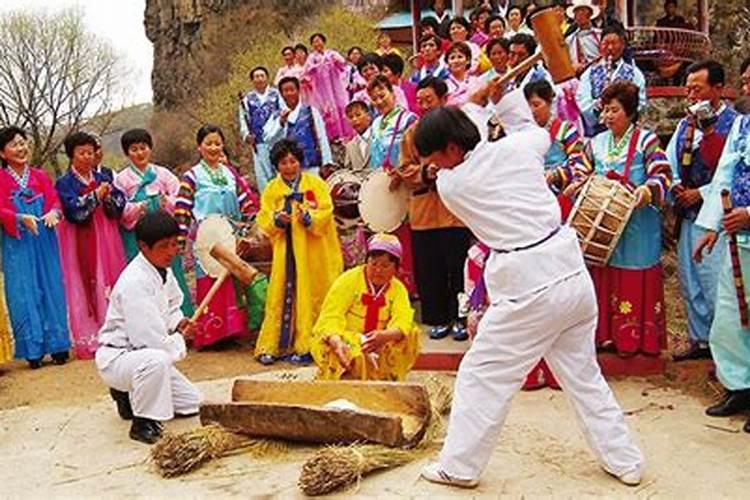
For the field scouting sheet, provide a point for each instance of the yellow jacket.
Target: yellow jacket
(317, 257)
(6, 340)
(343, 314)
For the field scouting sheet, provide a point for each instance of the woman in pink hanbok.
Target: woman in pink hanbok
(325, 73)
(90, 247)
(460, 82)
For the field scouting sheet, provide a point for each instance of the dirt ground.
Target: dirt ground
(60, 434)
(81, 449)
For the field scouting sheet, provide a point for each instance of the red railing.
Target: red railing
(668, 45)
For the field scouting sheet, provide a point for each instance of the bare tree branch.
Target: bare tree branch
(54, 77)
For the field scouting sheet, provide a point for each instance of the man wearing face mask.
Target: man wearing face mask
(693, 152)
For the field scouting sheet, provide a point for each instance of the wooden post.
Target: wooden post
(458, 8)
(703, 16)
(416, 20)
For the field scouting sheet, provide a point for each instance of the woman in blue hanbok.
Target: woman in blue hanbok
(29, 212)
(630, 288)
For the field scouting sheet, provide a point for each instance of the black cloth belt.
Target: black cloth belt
(535, 244)
(127, 348)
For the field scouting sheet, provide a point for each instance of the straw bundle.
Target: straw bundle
(336, 467)
(178, 454)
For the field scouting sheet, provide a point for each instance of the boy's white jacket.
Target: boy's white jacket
(143, 312)
(500, 193)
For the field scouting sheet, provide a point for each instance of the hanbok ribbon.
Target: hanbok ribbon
(624, 178)
(147, 178)
(373, 303)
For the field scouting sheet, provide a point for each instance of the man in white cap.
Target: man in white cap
(535, 267)
(583, 43)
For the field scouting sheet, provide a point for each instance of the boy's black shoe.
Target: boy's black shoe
(145, 430)
(123, 404)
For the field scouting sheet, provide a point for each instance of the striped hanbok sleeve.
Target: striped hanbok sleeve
(658, 169)
(184, 205)
(577, 165)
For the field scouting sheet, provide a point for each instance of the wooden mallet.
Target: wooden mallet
(233, 265)
(552, 48)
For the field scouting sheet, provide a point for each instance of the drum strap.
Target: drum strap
(555, 128)
(387, 164)
(535, 244)
(632, 147)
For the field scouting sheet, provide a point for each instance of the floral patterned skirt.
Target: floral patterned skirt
(631, 309)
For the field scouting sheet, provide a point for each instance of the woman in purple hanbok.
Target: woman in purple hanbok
(325, 73)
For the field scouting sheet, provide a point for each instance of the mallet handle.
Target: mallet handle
(210, 295)
(522, 67)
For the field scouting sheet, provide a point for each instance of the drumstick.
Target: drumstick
(210, 295)
(736, 269)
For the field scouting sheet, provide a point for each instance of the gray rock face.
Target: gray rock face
(194, 40)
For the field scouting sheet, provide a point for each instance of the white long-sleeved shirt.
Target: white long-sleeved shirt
(500, 193)
(143, 312)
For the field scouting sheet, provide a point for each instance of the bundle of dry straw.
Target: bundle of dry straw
(336, 467)
(178, 454)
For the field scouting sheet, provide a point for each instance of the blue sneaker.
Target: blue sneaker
(439, 332)
(459, 333)
(301, 359)
(266, 359)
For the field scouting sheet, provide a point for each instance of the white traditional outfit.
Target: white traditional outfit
(729, 341)
(535, 267)
(306, 127)
(256, 109)
(583, 45)
(138, 346)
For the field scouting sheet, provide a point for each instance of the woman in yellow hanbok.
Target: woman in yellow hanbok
(6, 338)
(366, 329)
(296, 213)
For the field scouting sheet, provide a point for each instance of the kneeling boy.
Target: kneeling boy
(366, 328)
(142, 335)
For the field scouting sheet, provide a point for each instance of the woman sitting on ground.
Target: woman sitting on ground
(366, 328)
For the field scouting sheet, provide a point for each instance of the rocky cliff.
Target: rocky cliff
(194, 40)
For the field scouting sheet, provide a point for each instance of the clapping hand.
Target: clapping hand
(29, 221)
(283, 218)
(51, 219)
(103, 190)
